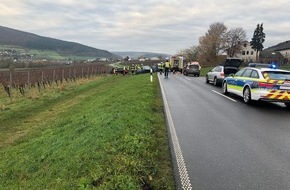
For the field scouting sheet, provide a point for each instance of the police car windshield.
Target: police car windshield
(277, 75)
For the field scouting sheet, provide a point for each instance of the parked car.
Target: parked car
(265, 84)
(117, 70)
(144, 69)
(155, 68)
(192, 68)
(217, 74)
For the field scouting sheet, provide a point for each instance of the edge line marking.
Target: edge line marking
(185, 181)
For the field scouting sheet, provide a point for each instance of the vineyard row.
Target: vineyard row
(41, 77)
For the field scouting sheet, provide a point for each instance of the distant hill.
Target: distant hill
(27, 40)
(136, 55)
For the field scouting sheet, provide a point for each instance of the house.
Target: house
(268, 56)
(155, 59)
(283, 49)
(247, 53)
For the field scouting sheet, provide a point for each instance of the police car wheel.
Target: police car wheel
(247, 95)
(225, 88)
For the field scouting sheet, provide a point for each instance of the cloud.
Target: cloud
(152, 25)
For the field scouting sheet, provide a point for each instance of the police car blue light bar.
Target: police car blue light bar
(264, 65)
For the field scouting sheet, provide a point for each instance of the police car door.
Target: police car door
(235, 82)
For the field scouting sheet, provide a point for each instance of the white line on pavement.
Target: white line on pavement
(185, 181)
(224, 96)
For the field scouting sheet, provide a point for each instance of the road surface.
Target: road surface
(218, 142)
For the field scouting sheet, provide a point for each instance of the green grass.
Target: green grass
(205, 70)
(46, 54)
(105, 133)
(286, 67)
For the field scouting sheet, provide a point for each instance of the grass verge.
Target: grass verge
(104, 133)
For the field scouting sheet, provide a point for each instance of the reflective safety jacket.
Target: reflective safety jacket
(167, 64)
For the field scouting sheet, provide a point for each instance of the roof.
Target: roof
(264, 67)
(270, 54)
(281, 46)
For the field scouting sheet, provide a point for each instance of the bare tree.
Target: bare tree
(213, 44)
(191, 53)
(235, 37)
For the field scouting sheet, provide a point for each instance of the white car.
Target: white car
(217, 74)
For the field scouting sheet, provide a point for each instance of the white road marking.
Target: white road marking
(224, 96)
(185, 181)
(187, 79)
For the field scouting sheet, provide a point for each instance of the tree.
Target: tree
(190, 54)
(258, 39)
(127, 58)
(213, 44)
(235, 37)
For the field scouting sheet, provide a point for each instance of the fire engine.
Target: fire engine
(176, 63)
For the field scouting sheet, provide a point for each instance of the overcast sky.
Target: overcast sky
(163, 26)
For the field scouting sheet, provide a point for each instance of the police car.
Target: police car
(259, 82)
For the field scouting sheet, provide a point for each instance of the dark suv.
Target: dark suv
(193, 69)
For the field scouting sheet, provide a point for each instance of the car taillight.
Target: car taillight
(222, 74)
(265, 84)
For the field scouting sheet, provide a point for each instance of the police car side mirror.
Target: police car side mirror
(232, 75)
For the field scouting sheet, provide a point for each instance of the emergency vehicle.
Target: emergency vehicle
(257, 82)
(176, 63)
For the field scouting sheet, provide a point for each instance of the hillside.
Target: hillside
(12, 37)
(136, 55)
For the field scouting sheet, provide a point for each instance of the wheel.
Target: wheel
(206, 79)
(215, 81)
(225, 88)
(247, 95)
(287, 104)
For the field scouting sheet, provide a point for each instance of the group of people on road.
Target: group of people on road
(135, 67)
(126, 69)
(163, 67)
(119, 70)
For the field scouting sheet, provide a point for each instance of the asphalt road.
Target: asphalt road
(221, 143)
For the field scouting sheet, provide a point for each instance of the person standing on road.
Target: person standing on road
(161, 66)
(166, 67)
(132, 69)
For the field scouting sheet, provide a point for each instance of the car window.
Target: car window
(277, 75)
(255, 74)
(239, 73)
(217, 69)
(247, 73)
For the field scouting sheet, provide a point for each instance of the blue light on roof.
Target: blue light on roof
(263, 65)
(273, 66)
